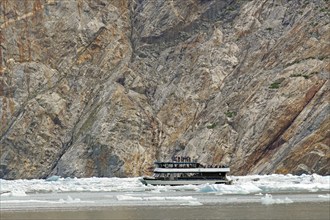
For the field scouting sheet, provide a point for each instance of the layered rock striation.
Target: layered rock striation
(105, 88)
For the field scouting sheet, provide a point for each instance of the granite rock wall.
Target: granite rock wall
(105, 88)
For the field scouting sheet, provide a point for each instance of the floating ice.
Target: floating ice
(230, 189)
(155, 198)
(268, 200)
(53, 178)
(60, 201)
(27, 201)
(129, 198)
(14, 192)
(70, 200)
(285, 183)
(327, 196)
(180, 198)
(252, 184)
(192, 203)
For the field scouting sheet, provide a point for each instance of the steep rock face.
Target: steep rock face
(104, 88)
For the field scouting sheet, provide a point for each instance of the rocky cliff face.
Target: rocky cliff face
(104, 88)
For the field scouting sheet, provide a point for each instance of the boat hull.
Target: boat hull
(147, 181)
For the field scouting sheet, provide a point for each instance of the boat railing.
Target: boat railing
(184, 165)
(183, 159)
(171, 177)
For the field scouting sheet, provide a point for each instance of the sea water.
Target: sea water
(267, 196)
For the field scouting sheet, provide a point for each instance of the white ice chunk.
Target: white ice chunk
(192, 203)
(180, 198)
(53, 178)
(268, 200)
(327, 196)
(154, 198)
(241, 185)
(128, 198)
(17, 192)
(246, 188)
(70, 200)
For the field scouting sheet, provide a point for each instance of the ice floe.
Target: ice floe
(327, 196)
(155, 198)
(268, 200)
(252, 184)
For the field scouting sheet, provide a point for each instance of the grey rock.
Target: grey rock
(105, 88)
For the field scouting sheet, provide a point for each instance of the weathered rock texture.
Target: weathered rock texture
(104, 88)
